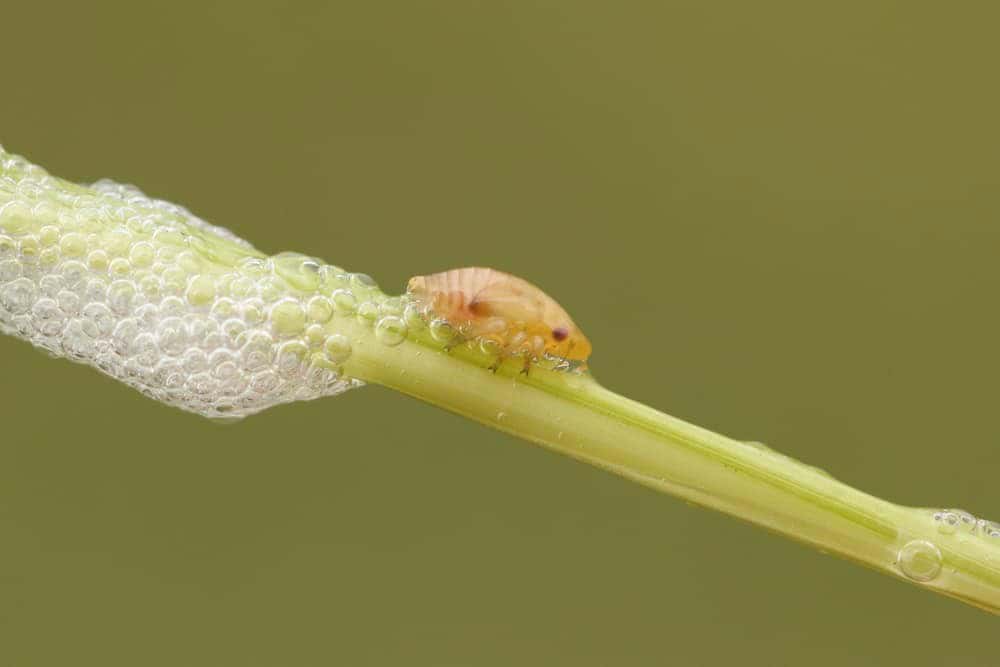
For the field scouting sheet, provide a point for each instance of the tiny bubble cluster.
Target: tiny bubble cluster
(951, 521)
(186, 312)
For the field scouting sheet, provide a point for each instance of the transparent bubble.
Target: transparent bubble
(363, 280)
(96, 289)
(344, 301)
(301, 272)
(29, 248)
(9, 270)
(173, 336)
(319, 309)
(73, 272)
(73, 245)
(100, 318)
(124, 333)
(920, 560)
(265, 383)
(241, 287)
(947, 522)
(49, 318)
(119, 267)
(173, 305)
(222, 365)
(315, 335)
(442, 331)
(966, 521)
(18, 296)
(8, 247)
(68, 301)
(414, 317)
(490, 347)
(188, 261)
(368, 312)
(122, 296)
(337, 348)
(291, 356)
(257, 352)
(49, 234)
(142, 254)
(77, 344)
(270, 290)
(201, 291)
(48, 257)
(390, 330)
(194, 360)
(288, 317)
(145, 350)
(254, 267)
(151, 287)
(224, 308)
(117, 243)
(49, 285)
(174, 280)
(392, 306)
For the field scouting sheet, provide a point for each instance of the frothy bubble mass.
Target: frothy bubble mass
(186, 312)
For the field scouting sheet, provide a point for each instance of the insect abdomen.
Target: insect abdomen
(485, 303)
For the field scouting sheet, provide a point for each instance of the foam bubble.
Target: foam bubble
(184, 311)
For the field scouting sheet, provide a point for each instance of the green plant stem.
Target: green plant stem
(574, 415)
(567, 412)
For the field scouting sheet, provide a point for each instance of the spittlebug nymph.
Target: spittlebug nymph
(489, 305)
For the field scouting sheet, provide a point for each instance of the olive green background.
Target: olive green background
(778, 220)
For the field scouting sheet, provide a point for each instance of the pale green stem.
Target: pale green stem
(574, 415)
(569, 412)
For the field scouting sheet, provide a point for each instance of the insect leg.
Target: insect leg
(456, 340)
(528, 360)
(505, 353)
(498, 362)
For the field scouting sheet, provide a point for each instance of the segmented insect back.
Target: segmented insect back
(491, 305)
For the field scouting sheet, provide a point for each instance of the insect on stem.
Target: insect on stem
(502, 310)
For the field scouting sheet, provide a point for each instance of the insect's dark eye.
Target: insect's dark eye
(560, 333)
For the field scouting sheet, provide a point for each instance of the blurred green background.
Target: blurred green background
(778, 220)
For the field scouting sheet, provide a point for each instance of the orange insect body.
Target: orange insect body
(492, 305)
